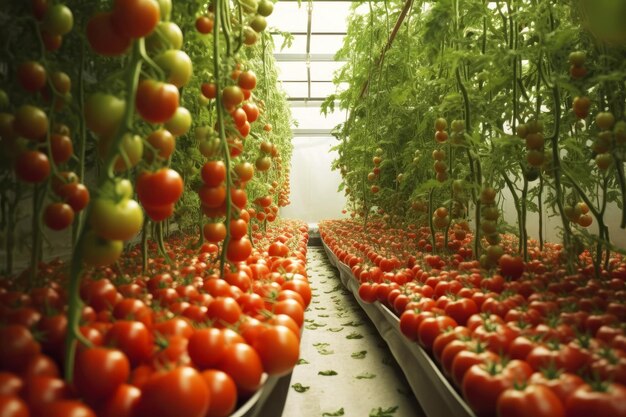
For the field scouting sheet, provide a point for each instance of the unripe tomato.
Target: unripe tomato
(58, 20)
(177, 66)
(180, 122)
(100, 252)
(104, 113)
(30, 122)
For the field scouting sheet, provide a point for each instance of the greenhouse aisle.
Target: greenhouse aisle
(345, 368)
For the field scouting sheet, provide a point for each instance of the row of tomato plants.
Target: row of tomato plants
(524, 103)
(136, 89)
(525, 339)
(179, 339)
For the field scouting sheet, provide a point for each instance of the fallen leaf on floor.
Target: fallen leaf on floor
(298, 387)
(359, 355)
(327, 373)
(383, 413)
(336, 413)
(366, 375)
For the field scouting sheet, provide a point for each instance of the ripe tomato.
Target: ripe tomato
(122, 403)
(238, 250)
(204, 24)
(32, 166)
(563, 384)
(104, 38)
(206, 347)
(74, 194)
(99, 372)
(163, 143)
(243, 364)
(223, 393)
(66, 408)
(13, 406)
(431, 327)
(224, 311)
(214, 232)
(181, 392)
(511, 266)
(156, 101)
(62, 148)
(32, 76)
(209, 90)
(132, 338)
(213, 173)
(18, 347)
(58, 216)
(279, 349)
(166, 180)
(135, 18)
(247, 80)
(530, 401)
(607, 399)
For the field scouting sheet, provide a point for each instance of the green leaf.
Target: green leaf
(298, 387)
(327, 373)
(354, 335)
(302, 361)
(339, 412)
(380, 412)
(359, 355)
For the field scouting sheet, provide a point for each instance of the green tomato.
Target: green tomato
(58, 20)
(249, 6)
(4, 99)
(166, 9)
(132, 145)
(180, 123)
(258, 23)
(100, 252)
(266, 7)
(177, 66)
(104, 113)
(116, 220)
(123, 189)
(167, 35)
(210, 147)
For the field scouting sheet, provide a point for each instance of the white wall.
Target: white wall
(314, 194)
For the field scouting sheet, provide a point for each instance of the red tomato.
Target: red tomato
(163, 142)
(13, 406)
(41, 365)
(10, 383)
(563, 384)
(607, 399)
(279, 349)
(32, 166)
(511, 266)
(122, 403)
(166, 180)
(206, 347)
(181, 392)
(18, 347)
(58, 216)
(156, 101)
(132, 338)
(224, 311)
(213, 173)
(223, 392)
(76, 195)
(135, 18)
(461, 309)
(244, 365)
(431, 327)
(99, 372)
(39, 391)
(32, 76)
(530, 401)
(104, 38)
(247, 80)
(66, 408)
(238, 250)
(62, 148)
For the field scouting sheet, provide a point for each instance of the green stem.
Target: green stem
(433, 238)
(540, 211)
(161, 243)
(75, 303)
(219, 6)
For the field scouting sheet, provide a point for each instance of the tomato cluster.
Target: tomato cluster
(178, 340)
(523, 336)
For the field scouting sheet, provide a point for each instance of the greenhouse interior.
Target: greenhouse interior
(302, 208)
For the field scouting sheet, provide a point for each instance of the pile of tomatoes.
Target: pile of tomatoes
(178, 340)
(521, 339)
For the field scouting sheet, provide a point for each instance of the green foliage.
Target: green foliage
(494, 65)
